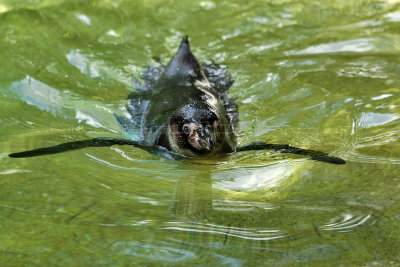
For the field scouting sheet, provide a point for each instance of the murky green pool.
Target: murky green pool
(322, 75)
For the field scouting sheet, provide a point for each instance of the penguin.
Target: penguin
(181, 110)
(186, 113)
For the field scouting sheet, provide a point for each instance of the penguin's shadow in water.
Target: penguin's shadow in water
(181, 110)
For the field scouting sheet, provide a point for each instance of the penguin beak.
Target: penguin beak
(206, 138)
(201, 137)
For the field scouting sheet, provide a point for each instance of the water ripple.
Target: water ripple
(346, 223)
(233, 206)
(151, 168)
(243, 233)
(361, 45)
(372, 119)
(359, 157)
(254, 177)
(159, 253)
(13, 171)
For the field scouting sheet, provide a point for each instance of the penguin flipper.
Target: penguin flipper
(314, 154)
(95, 142)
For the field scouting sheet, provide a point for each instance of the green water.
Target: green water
(321, 75)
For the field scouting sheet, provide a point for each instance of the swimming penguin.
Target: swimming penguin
(181, 110)
(184, 112)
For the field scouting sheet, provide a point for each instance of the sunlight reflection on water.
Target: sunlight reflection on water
(254, 178)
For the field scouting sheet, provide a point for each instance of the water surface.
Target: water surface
(321, 75)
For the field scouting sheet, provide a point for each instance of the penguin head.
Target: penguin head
(193, 130)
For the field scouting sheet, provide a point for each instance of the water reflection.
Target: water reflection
(245, 233)
(372, 119)
(201, 204)
(356, 46)
(83, 18)
(205, 222)
(165, 252)
(256, 177)
(345, 224)
(80, 61)
(65, 104)
(38, 94)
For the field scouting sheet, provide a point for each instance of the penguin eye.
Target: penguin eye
(186, 129)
